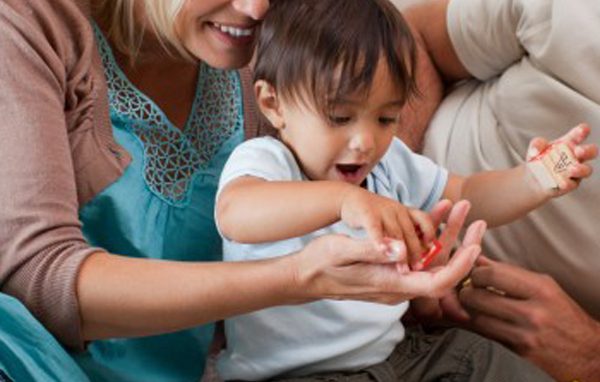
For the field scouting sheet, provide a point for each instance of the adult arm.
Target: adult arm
(41, 245)
(132, 297)
(82, 293)
(467, 38)
(429, 24)
(535, 317)
(437, 66)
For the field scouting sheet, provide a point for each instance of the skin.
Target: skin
(123, 297)
(356, 134)
(535, 317)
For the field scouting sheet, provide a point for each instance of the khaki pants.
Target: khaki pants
(451, 356)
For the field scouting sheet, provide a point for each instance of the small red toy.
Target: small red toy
(435, 247)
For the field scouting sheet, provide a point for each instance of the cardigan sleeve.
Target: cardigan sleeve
(41, 243)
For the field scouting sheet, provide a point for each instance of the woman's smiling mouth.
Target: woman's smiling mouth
(237, 35)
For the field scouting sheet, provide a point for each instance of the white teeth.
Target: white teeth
(235, 32)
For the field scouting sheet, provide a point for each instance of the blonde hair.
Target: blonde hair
(126, 29)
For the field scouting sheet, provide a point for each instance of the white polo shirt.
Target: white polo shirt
(326, 335)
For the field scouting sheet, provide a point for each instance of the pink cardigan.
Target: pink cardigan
(56, 153)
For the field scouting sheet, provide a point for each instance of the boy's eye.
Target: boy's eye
(339, 119)
(388, 120)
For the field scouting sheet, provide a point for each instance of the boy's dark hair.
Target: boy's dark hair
(326, 49)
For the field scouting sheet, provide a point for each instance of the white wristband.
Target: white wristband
(550, 167)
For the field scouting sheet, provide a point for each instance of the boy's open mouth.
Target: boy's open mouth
(348, 169)
(351, 173)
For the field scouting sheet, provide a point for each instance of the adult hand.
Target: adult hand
(338, 267)
(435, 310)
(530, 313)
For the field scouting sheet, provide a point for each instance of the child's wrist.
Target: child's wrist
(345, 193)
(533, 183)
(552, 167)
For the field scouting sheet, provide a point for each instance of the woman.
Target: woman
(91, 203)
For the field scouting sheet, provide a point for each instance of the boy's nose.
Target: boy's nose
(362, 141)
(253, 8)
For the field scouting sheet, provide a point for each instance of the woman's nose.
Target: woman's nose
(253, 8)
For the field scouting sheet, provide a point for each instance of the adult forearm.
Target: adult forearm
(128, 297)
(428, 20)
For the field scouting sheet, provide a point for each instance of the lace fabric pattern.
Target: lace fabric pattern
(172, 156)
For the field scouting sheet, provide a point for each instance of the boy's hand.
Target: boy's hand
(558, 175)
(388, 223)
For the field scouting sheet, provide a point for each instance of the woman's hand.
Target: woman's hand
(447, 306)
(388, 222)
(530, 313)
(338, 267)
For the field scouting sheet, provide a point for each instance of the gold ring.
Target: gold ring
(466, 283)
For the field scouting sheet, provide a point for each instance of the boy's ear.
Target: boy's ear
(268, 102)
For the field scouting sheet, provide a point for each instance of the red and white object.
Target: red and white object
(435, 247)
(551, 166)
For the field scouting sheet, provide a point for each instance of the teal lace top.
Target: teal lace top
(162, 208)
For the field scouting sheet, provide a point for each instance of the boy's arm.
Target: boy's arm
(252, 210)
(498, 197)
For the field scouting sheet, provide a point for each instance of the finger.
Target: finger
(586, 153)
(577, 134)
(439, 212)
(580, 171)
(513, 280)
(411, 239)
(454, 224)
(483, 301)
(459, 266)
(392, 226)
(436, 283)
(452, 308)
(402, 267)
(483, 261)
(475, 233)
(496, 329)
(536, 146)
(453, 227)
(424, 222)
